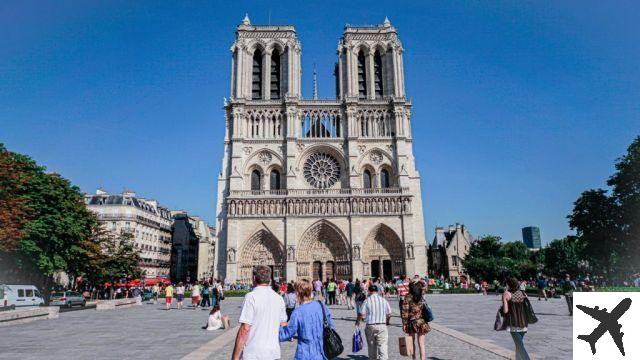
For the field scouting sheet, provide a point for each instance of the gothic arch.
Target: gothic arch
(365, 159)
(323, 246)
(276, 45)
(383, 244)
(255, 162)
(256, 45)
(262, 248)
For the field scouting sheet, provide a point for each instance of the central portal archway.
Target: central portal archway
(323, 253)
(262, 248)
(383, 256)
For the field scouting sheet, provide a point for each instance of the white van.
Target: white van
(22, 295)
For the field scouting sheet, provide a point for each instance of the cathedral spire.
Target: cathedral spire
(246, 20)
(386, 22)
(315, 83)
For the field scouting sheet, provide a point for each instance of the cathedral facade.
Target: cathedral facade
(319, 188)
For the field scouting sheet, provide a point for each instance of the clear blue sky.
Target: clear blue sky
(518, 106)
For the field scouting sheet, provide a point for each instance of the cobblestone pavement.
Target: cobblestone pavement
(149, 330)
(474, 315)
(439, 345)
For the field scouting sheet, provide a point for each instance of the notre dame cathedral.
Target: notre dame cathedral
(319, 188)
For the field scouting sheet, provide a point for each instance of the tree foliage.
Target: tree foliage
(608, 225)
(52, 230)
(563, 256)
(13, 213)
(490, 259)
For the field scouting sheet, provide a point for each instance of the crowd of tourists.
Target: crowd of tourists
(276, 312)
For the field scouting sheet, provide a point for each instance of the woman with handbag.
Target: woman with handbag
(516, 308)
(414, 319)
(308, 321)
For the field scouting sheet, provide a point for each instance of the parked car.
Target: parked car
(21, 295)
(67, 298)
(4, 300)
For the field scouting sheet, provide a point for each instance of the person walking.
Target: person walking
(317, 288)
(155, 290)
(214, 321)
(331, 291)
(290, 300)
(168, 296)
(359, 296)
(403, 290)
(542, 284)
(349, 289)
(325, 293)
(180, 295)
(377, 313)
(513, 306)
(195, 296)
(206, 291)
(307, 322)
(568, 287)
(413, 321)
(262, 314)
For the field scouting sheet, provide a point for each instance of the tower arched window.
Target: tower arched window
(367, 182)
(256, 76)
(362, 76)
(385, 179)
(275, 180)
(377, 73)
(275, 75)
(255, 180)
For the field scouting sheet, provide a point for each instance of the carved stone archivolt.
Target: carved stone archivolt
(323, 245)
(262, 248)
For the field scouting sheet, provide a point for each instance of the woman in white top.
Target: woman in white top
(180, 294)
(215, 319)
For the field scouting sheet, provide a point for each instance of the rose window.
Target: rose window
(321, 170)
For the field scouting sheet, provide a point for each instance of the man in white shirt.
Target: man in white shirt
(263, 312)
(377, 313)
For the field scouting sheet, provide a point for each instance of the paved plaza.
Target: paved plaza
(462, 330)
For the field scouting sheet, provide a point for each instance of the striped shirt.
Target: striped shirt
(403, 289)
(375, 310)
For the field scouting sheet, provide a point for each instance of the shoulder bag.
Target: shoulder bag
(528, 310)
(331, 340)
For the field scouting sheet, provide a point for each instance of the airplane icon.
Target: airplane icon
(608, 322)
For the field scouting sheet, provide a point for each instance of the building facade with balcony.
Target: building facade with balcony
(319, 188)
(148, 222)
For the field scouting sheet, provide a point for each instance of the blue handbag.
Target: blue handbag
(357, 343)
(427, 313)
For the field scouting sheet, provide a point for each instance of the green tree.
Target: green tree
(490, 259)
(57, 225)
(596, 219)
(563, 256)
(483, 262)
(625, 185)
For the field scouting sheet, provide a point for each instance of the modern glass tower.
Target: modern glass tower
(531, 237)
